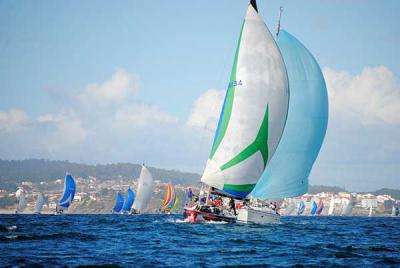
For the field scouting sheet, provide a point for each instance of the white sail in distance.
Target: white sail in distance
(331, 206)
(348, 207)
(22, 200)
(290, 208)
(144, 190)
(254, 111)
(39, 203)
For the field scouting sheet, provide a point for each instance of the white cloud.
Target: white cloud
(372, 97)
(13, 119)
(69, 132)
(206, 110)
(121, 86)
(143, 114)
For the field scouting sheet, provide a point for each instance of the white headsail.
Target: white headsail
(39, 203)
(254, 111)
(331, 206)
(144, 190)
(347, 208)
(22, 200)
(290, 208)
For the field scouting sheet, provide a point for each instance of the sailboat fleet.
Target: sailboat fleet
(131, 204)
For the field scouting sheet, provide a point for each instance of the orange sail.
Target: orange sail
(170, 198)
(167, 195)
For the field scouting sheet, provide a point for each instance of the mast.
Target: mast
(278, 27)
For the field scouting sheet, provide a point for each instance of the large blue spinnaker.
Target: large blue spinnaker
(118, 203)
(287, 173)
(130, 197)
(313, 208)
(69, 192)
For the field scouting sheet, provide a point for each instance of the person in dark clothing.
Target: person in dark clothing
(232, 205)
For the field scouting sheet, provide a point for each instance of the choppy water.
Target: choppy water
(163, 240)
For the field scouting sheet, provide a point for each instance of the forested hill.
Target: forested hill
(37, 170)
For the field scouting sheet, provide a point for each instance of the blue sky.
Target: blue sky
(170, 62)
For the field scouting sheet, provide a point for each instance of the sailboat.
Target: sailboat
(290, 208)
(144, 191)
(170, 198)
(370, 211)
(20, 194)
(68, 194)
(313, 208)
(130, 198)
(301, 208)
(119, 202)
(245, 160)
(395, 210)
(320, 207)
(347, 208)
(39, 203)
(331, 206)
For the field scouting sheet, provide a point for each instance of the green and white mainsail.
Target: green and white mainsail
(254, 111)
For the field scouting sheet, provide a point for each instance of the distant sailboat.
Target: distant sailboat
(331, 206)
(144, 190)
(290, 208)
(370, 211)
(170, 198)
(20, 194)
(39, 204)
(348, 207)
(301, 208)
(320, 207)
(68, 194)
(313, 208)
(395, 210)
(119, 202)
(130, 198)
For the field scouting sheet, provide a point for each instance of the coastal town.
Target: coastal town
(98, 197)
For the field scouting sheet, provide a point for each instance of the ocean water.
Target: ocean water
(164, 240)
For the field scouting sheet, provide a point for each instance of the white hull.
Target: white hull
(257, 215)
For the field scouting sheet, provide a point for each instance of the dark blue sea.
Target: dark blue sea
(165, 241)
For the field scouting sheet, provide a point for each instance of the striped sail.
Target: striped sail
(39, 203)
(118, 203)
(144, 190)
(68, 193)
(170, 198)
(176, 204)
(287, 173)
(253, 114)
(130, 198)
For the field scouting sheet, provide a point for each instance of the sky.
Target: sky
(144, 81)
